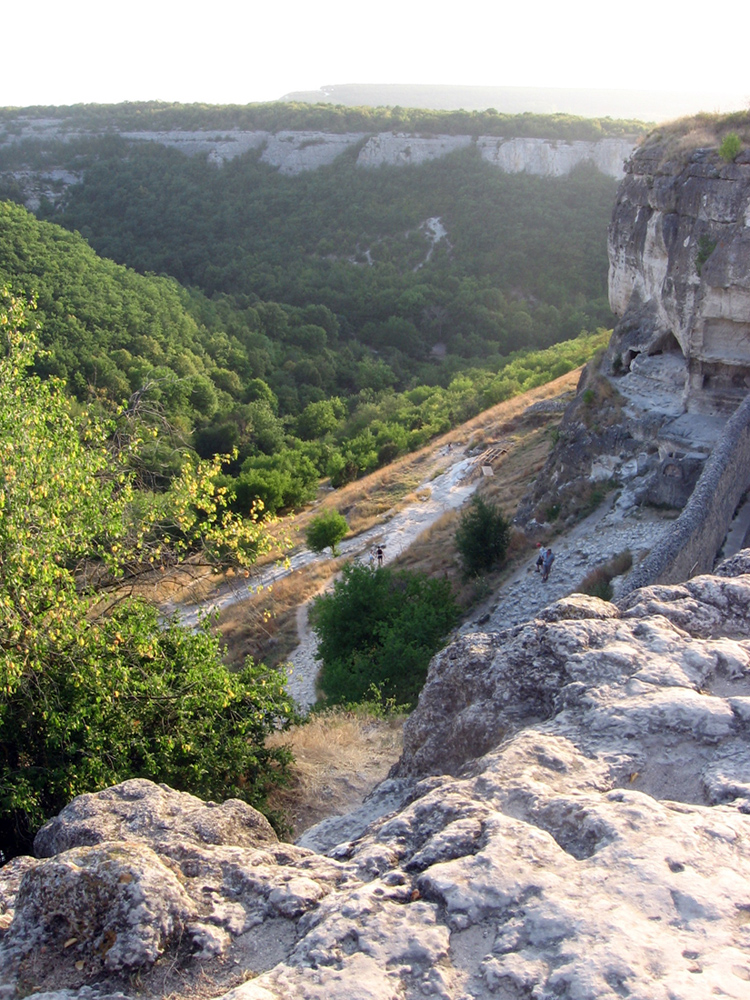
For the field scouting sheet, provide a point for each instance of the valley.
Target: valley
(513, 787)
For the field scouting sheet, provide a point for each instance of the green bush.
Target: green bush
(380, 627)
(326, 531)
(93, 692)
(482, 536)
(730, 147)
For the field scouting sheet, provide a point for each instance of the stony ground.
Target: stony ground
(604, 534)
(570, 821)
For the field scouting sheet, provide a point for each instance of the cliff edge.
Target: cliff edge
(679, 251)
(649, 414)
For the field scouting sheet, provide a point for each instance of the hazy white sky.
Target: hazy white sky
(230, 51)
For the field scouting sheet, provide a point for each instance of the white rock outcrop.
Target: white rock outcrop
(570, 819)
(555, 158)
(294, 152)
(679, 278)
(541, 157)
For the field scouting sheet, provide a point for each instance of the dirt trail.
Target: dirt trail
(605, 533)
(396, 532)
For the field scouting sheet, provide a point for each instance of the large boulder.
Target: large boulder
(151, 814)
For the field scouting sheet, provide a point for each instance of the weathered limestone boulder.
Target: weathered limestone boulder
(116, 905)
(156, 815)
(139, 871)
(570, 821)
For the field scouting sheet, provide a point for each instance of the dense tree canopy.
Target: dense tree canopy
(378, 628)
(275, 115)
(278, 384)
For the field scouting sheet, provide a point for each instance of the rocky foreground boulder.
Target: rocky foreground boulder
(570, 819)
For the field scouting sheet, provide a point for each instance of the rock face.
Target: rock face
(541, 157)
(570, 819)
(155, 815)
(679, 248)
(679, 358)
(295, 152)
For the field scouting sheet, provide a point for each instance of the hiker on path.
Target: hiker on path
(540, 557)
(549, 558)
(380, 557)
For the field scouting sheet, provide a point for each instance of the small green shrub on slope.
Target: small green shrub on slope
(482, 536)
(326, 531)
(730, 147)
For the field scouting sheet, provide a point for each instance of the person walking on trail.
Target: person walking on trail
(380, 556)
(549, 558)
(540, 557)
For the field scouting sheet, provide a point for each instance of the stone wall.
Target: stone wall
(691, 545)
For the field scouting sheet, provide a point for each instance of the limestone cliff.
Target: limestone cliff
(678, 364)
(679, 248)
(294, 152)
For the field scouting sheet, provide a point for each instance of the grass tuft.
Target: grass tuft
(598, 583)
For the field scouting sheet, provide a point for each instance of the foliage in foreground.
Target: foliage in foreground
(482, 536)
(380, 627)
(96, 690)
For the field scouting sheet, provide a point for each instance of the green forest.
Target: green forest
(277, 385)
(311, 325)
(275, 115)
(187, 348)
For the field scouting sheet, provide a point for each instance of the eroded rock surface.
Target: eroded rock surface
(571, 819)
(152, 814)
(679, 275)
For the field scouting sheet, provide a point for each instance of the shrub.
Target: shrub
(326, 531)
(706, 247)
(730, 147)
(482, 536)
(598, 582)
(93, 692)
(380, 628)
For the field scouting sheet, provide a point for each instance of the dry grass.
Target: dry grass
(365, 501)
(339, 756)
(678, 139)
(598, 582)
(265, 625)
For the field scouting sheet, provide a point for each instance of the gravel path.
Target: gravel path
(603, 534)
(447, 491)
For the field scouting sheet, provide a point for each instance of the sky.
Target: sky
(230, 51)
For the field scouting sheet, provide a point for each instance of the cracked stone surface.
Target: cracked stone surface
(570, 819)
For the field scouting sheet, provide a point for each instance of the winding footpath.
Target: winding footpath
(614, 527)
